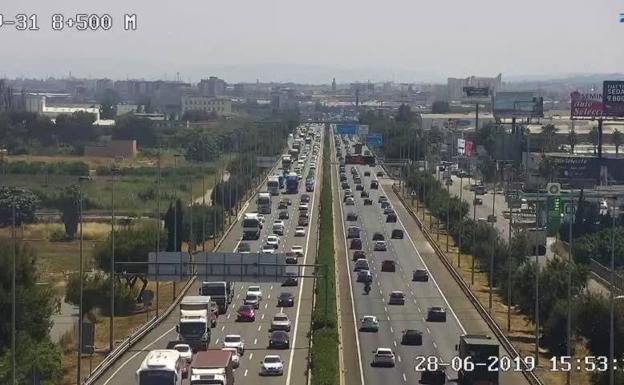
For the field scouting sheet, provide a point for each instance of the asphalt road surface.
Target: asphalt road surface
(255, 334)
(410, 253)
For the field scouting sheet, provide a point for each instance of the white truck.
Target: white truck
(212, 367)
(200, 302)
(251, 226)
(194, 328)
(264, 201)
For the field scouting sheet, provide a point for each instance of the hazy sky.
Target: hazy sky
(311, 40)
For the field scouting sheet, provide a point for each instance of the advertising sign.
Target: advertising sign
(518, 105)
(469, 148)
(585, 105)
(613, 97)
(461, 146)
(374, 140)
(347, 129)
(363, 130)
(476, 91)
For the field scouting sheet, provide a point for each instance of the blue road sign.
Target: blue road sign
(347, 129)
(374, 140)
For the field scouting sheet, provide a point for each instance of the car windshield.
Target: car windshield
(244, 308)
(397, 295)
(251, 297)
(285, 295)
(232, 339)
(280, 318)
(272, 360)
(182, 348)
(192, 328)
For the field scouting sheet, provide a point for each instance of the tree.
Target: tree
(108, 104)
(96, 294)
(618, 139)
(130, 127)
(547, 168)
(75, 128)
(572, 140)
(594, 137)
(69, 204)
(440, 107)
(549, 132)
(404, 114)
(174, 226)
(24, 201)
(201, 212)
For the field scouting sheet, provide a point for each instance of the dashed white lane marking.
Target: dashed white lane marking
(228, 316)
(388, 318)
(428, 331)
(266, 305)
(395, 344)
(246, 370)
(217, 342)
(386, 309)
(255, 341)
(269, 296)
(399, 358)
(223, 328)
(259, 327)
(262, 316)
(420, 311)
(391, 329)
(250, 356)
(404, 378)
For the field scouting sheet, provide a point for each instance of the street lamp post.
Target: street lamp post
(461, 221)
(158, 228)
(13, 296)
(111, 336)
(81, 285)
(612, 299)
(474, 233)
(175, 215)
(448, 211)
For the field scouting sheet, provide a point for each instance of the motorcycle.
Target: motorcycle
(367, 288)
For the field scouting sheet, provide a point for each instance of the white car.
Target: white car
(350, 201)
(380, 246)
(186, 353)
(369, 323)
(297, 250)
(272, 365)
(300, 231)
(268, 249)
(234, 341)
(280, 322)
(278, 227)
(383, 357)
(273, 240)
(255, 290)
(235, 357)
(303, 207)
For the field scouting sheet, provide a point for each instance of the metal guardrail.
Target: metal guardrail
(511, 350)
(122, 348)
(603, 274)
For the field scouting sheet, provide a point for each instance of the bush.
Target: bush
(96, 294)
(57, 235)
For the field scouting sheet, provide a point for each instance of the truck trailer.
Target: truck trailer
(212, 367)
(480, 349)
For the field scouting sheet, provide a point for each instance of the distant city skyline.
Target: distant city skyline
(312, 42)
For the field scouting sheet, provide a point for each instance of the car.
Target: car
(384, 205)
(420, 275)
(358, 254)
(300, 231)
(272, 365)
(477, 201)
(364, 194)
(412, 337)
(380, 246)
(290, 279)
(304, 207)
(341, 168)
(303, 220)
(436, 314)
(252, 300)
(366, 173)
(278, 228)
(286, 299)
(397, 234)
(364, 276)
(432, 377)
(297, 250)
(359, 187)
(369, 323)
(368, 202)
(282, 205)
(283, 215)
(352, 216)
(396, 298)
(279, 339)
(235, 357)
(348, 192)
(268, 249)
(356, 244)
(234, 341)
(291, 258)
(361, 264)
(255, 290)
(343, 178)
(374, 185)
(378, 236)
(388, 265)
(382, 198)
(344, 185)
(273, 240)
(305, 198)
(186, 352)
(244, 248)
(388, 210)
(383, 357)
(280, 321)
(347, 196)
(380, 174)
(246, 312)
(350, 201)
(391, 218)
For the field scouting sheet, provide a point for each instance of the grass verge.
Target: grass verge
(325, 363)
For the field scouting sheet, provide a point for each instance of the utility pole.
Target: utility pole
(509, 261)
(461, 219)
(204, 202)
(81, 277)
(569, 309)
(493, 220)
(156, 268)
(537, 272)
(13, 296)
(448, 211)
(175, 216)
(611, 299)
(111, 324)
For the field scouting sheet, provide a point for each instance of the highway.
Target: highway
(255, 334)
(410, 253)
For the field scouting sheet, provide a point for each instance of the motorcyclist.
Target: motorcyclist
(367, 287)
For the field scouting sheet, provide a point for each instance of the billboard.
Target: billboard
(461, 146)
(517, 105)
(374, 140)
(476, 91)
(347, 129)
(469, 148)
(240, 266)
(363, 130)
(613, 97)
(585, 105)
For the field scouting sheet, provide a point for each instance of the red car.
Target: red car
(388, 265)
(356, 244)
(246, 313)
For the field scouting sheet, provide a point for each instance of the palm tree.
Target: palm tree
(593, 137)
(618, 139)
(572, 140)
(549, 131)
(547, 168)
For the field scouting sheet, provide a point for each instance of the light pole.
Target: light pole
(537, 273)
(111, 337)
(612, 298)
(569, 279)
(474, 233)
(158, 228)
(81, 285)
(448, 183)
(13, 295)
(175, 215)
(461, 219)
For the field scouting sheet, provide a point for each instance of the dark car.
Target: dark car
(432, 377)
(290, 279)
(291, 259)
(286, 299)
(359, 187)
(436, 314)
(384, 205)
(244, 247)
(283, 215)
(374, 185)
(343, 177)
(388, 265)
(352, 216)
(477, 201)
(380, 174)
(303, 221)
(345, 185)
(412, 337)
(364, 276)
(279, 339)
(356, 244)
(420, 275)
(397, 234)
(378, 237)
(366, 173)
(396, 298)
(364, 194)
(305, 198)
(246, 313)
(282, 205)
(358, 254)
(391, 218)
(368, 202)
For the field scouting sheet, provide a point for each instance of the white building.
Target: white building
(455, 86)
(37, 103)
(221, 106)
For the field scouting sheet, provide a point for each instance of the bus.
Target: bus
(264, 202)
(292, 183)
(273, 185)
(160, 367)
